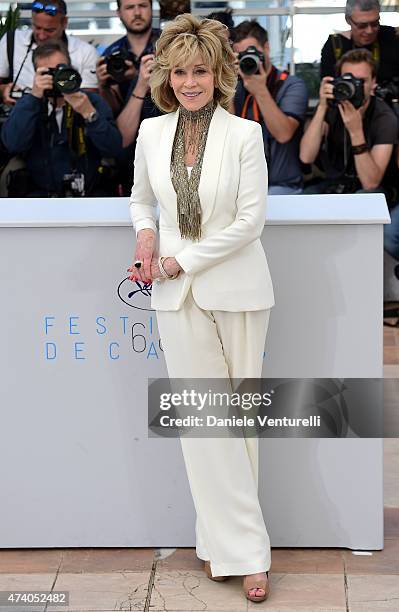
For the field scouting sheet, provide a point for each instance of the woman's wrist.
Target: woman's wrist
(171, 266)
(146, 236)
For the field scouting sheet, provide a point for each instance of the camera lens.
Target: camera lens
(344, 91)
(249, 64)
(67, 80)
(116, 66)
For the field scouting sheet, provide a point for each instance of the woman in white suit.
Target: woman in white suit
(212, 290)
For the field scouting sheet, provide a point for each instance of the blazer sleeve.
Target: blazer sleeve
(142, 202)
(251, 210)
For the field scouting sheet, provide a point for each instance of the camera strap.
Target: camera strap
(21, 66)
(336, 42)
(10, 54)
(75, 133)
(274, 82)
(255, 108)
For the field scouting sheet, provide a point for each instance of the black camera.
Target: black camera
(66, 80)
(348, 87)
(116, 63)
(388, 91)
(250, 59)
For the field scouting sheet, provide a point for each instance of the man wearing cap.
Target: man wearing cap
(49, 20)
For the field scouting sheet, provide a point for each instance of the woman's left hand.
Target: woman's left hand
(170, 265)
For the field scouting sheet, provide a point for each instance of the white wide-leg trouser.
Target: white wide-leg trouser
(222, 472)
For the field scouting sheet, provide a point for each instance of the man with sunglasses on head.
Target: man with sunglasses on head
(63, 133)
(363, 18)
(49, 21)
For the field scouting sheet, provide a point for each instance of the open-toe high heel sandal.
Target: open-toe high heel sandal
(258, 591)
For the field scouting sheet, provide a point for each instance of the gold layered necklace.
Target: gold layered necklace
(192, 126)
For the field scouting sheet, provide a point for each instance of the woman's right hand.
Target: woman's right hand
(144, 252)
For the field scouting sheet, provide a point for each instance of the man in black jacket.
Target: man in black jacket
(363, 17)
(63, 138)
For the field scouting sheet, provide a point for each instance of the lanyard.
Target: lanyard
(76, 140)
(273, 83)
(255, 108)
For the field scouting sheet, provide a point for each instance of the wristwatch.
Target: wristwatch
(94, 115)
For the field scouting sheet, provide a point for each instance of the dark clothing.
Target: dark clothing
(123, 43)
(291, 96)
(391, 233)
(385, 51)
(126, 166)
(148, 109)
(51, 153)
(380, 126)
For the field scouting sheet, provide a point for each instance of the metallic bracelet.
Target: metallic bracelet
(163, 271)
(359, 149)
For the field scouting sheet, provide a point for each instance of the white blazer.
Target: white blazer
(227, 268)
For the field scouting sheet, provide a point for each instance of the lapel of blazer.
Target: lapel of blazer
(211, 162)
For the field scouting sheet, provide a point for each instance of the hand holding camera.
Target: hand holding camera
(102, 72)
(120, 65)
(253, 80)
(326, 91)
(352, 120)
(251, 60)
(345, 88)
(347, 93)
(146, 67)
(80, 103)
(55, 82)
(348, 88)
(42, 82)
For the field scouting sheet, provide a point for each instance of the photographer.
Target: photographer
(357, 130)
(363, 17)
(62, 132)
(274, 99)
(120, 62)
(139, 106)
(49, 21)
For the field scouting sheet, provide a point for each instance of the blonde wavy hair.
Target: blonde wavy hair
(180, 41)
